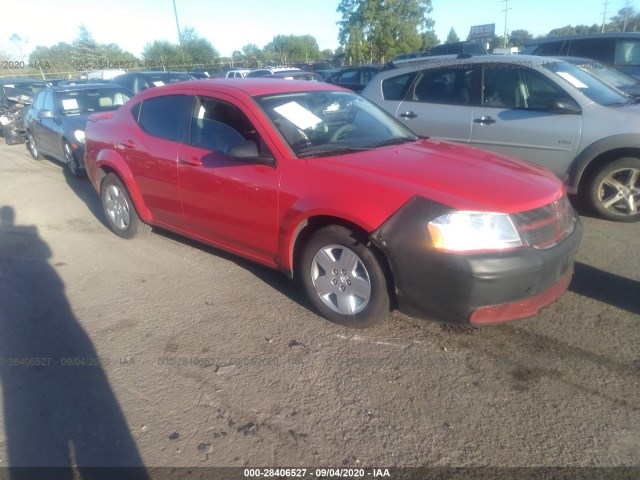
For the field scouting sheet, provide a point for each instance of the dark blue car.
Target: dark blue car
(58, 116)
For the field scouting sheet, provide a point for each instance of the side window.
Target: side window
(596, 48)
(551, 48)
(39, 102)
(628, 52)
(352, 76)
(451, 86)
(48, 101)
(395, 88)
(218, 125)
(537, 91)
(160, 116)
(501, 87)
(368, 74)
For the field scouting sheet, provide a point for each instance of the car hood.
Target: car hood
(75, 122)
(462, 177)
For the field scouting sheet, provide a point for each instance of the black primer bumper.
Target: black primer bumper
(446, 287)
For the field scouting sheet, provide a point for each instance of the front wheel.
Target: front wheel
(343, 278)
(33, 149)
(615, 190)
(119, 209)
(71, 161)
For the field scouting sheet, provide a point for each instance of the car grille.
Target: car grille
(546, 226)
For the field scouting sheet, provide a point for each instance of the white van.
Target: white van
(105, 74)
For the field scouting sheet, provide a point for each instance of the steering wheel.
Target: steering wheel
(349, 127)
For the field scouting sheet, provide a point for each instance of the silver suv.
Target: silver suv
(542, 109)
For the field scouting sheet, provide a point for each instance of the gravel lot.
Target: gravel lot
(165, 352)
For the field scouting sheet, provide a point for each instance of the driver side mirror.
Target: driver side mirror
(248, 152)
(564, 106)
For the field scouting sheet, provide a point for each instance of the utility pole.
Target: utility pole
(627, 7)
(506, 10)
(604, 14)
(175, 12)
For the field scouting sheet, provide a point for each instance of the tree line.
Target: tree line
(370, 31)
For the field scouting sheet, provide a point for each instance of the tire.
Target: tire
(119, 209)
(31, 146)
(70, 160)
(351, 291)
(614, 192)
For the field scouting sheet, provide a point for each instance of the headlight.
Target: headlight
(473, 232)
(79, 134)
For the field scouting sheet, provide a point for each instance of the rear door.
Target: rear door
(150, 148)
(517, 117)
(440, 102)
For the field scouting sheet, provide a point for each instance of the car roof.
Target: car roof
(248, 86)
(586, 36)
(435, 62)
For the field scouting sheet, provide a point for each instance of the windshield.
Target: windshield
(594, 88)
(607, 74)
(325, 123)
(91, 100)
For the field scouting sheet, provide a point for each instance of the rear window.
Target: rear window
(596, 48)
(628, 52)
(160, 116)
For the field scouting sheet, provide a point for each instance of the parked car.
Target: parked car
(240, 73)
(544, 110)
(614, 77)
(56, 120)
(12, 86)
(261, 72)
(309, 76)
(136, 82)
(318, 182)
(354, 78)
(619, 50)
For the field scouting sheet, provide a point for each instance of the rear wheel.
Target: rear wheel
(119, 209)
(343, 278)
(71, 161)
(615, 190)
(33, 149)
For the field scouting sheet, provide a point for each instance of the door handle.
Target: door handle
(486, 120)
(408, 115)
(196, 162)
(128, 143)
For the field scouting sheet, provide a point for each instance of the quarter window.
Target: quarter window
(160, 116)
(48, 102)
(628, 52)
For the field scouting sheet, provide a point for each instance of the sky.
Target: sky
(231, 24)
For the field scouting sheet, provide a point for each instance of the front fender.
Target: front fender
(593, 151)
(367, 217)
(110, 160)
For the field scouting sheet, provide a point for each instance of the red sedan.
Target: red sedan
(321, 184)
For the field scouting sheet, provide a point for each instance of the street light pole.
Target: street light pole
(175, 12)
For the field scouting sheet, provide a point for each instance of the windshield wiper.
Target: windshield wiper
(321, 152)
(393, 141)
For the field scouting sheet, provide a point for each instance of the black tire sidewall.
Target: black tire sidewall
(379, 303)
(625, 162)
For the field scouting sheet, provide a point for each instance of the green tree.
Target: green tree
(196, 49)
(452, 37)
(429, 40)
(374, 30)
(518, 38)
(293, 48)
(56, 59)
(85, 48)
(253, 53)
(162, 52)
